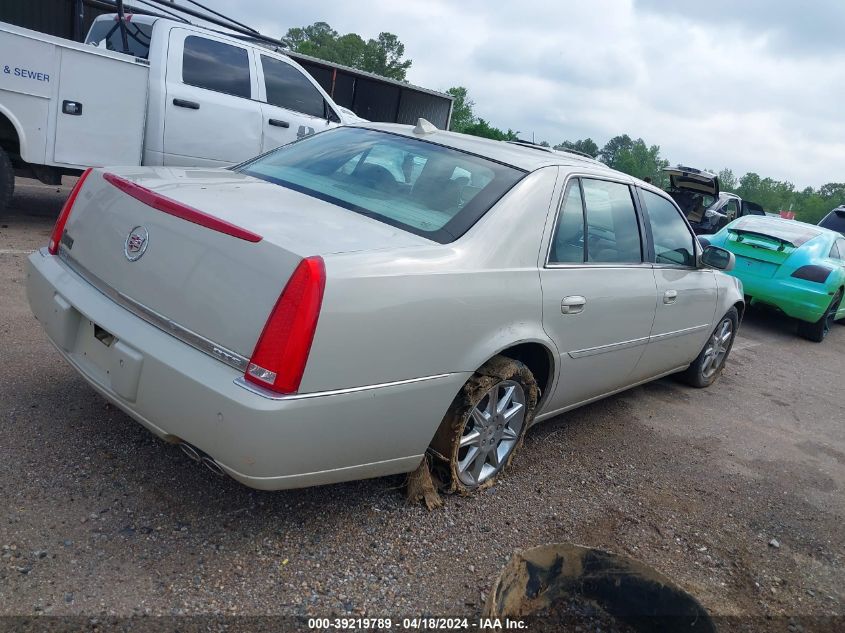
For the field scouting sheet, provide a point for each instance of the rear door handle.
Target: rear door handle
(279, 123)
(572, 305)
(184, 103)
(669, 296)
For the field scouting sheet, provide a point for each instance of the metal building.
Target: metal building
(368, 95)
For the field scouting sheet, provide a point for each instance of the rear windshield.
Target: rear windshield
(137, 36)
(418, 186)
(835, 221)
(796, 233)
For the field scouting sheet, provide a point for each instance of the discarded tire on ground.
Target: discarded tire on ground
(562, 584)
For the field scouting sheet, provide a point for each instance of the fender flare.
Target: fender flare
(16, 124)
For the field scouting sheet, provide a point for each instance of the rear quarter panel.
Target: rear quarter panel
(407, 313)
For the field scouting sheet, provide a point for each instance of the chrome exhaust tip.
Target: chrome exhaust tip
(213, 466)
(192, 453)
(196, 455)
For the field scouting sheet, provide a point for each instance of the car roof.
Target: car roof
(521, 155)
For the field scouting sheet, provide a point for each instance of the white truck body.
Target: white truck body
(40, 72)
(198, 98)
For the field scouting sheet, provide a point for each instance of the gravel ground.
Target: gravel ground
(736, 492)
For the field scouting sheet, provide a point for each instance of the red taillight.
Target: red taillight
(59, 228)
(282, 350)
(179, 209)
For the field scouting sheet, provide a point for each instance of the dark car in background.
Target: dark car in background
(707, 208)
(835, 220)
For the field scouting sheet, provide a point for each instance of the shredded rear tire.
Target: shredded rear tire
(476, 423)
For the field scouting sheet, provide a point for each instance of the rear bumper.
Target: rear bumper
(182, 394)
(803, 300)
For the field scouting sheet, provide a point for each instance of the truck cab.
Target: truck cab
(216, 99)
(175, 93)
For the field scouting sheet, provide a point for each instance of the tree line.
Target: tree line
(384, 56)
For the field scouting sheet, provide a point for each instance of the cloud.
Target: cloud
(754, 86)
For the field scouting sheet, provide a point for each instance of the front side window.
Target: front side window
(288, 88)
(613, 234)
(421, 187)
(673, 241)
(837, 251)
(216, 66)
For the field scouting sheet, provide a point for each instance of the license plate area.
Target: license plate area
(755, 267)
(107, 360)
(104, 336)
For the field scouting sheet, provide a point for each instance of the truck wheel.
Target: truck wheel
(7, 180)
(486, 424)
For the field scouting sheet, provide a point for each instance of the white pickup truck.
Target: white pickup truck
(185, 95)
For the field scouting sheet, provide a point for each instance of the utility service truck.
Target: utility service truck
(170, 93)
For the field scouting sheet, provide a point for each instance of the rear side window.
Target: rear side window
(216, 66)
(731, 209)
(613, 234)
(840, 247)
(673, 241)
(421, 187)
(137, 36)
(568, 241)
(835, 221)
(288, 88)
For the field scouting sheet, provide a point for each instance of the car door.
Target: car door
(686, 293)
(598, 292)
(292, 105)
(211, 117)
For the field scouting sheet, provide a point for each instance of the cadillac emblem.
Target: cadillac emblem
(136, 243)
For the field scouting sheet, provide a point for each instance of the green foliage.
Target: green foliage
(585, 146)
(727, 180)
(480, 127)
(464, 119)
(809, 205)
(462, 109)
(636, 158)
(382, 56)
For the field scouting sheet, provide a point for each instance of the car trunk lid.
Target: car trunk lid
(691, 179)
(205, 254)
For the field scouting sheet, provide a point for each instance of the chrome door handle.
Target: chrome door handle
(669, 296)
(572, 305)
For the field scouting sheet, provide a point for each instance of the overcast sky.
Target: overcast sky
(757, 85)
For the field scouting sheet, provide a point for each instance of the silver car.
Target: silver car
(340, 307)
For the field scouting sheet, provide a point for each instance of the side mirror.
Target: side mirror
(718, 258)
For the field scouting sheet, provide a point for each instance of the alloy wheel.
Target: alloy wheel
(491, 433)
(717, 348)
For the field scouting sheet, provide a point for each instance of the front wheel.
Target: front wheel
(486, 423)
(711, 361)
(818, 330)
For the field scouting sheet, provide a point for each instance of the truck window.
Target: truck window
(288, 88)
(137, 36)
(216, 66)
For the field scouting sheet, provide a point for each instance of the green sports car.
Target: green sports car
(796, 267)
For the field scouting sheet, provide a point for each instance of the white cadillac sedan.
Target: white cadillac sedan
(340, 307)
